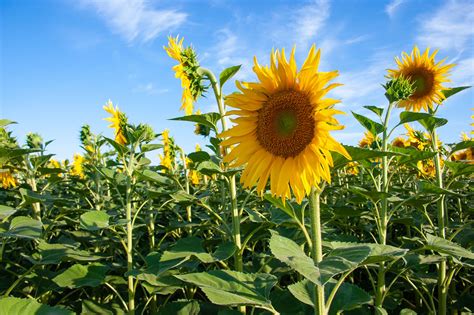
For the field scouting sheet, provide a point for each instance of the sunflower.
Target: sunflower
(186, 71)
(417, 139)
(282, 129)
(165, 159)
(426, 168)
(352, 168)
(7, 179)
(400, 142)
(427, 77)
(368, 140)
(118, 121)
(77, 166)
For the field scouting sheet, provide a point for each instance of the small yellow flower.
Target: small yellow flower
(165, 158)
(77, 166)
(7, 179)
(194, 177)
(427, 77)
(118, 120)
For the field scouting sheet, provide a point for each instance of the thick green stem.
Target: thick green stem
(442, 286)
(131, 286)
(380, 290)
(317, 248)
(232, 185)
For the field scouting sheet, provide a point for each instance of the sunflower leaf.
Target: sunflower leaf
(374, 127)
(228, 73)
(450, 92)
(374, 109)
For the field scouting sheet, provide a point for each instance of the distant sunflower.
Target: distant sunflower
(416, 138)
(77, 166)
(118, 121)
(426, 168)
(368, 140)
(6, 179)
(186, 71)
(282, 129)
(165, 158)
(400, 142)
(427, 77)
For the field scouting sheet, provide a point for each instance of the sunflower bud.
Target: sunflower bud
(34, 141)
(85, 135)
(398, 89)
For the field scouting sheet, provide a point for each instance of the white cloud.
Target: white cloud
(135, 19)
(149, 88)
(392, 7)
(309, 20)
(463, 73)
(449, 27)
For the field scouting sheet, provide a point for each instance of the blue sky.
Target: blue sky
(62, 60)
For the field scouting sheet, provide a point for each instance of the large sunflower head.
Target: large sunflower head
(187, 71)
(283, 124)
(427, 77)
(118, 121)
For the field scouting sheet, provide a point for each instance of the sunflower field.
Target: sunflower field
(274, 216)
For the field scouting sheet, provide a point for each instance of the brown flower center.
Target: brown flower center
(423, 82)
(286, 123)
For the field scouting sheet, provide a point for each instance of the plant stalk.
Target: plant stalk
(317, 248)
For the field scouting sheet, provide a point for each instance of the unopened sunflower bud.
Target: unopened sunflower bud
(34, 141)
(85, 135)
(398, 89)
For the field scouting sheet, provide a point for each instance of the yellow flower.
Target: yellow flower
(400, 142)
(427, 77)
(185, 71)
(368, 140)
(352, 168)
(7, 179)
(166, 159)
(282, 130)
(198, 147)
(426, 168)
(77, 166)
(417, 139)
(465, 137)
(54, 164)
(117, 120)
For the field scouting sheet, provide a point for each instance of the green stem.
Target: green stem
(380, 290)
(317, 248)
(442, 287)
(131, 287)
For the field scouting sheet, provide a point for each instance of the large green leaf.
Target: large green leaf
(24, 227)
(155, 177)
(78, 276)
(16, 306)
(94, 220)
(226, 287)
(341, 260)
(358, 154)
(209, 168)
(180, 308)
(348, 297)
(228, 73)
(6, 122)
(55, 253)
(412, 155)
(7, 154)
(6, 211)
(428, 121)
(192, 247)
(290, 253)
(374, 109)
(94, 307)
(444, 246)
(278, 203)
(374, 127)
(459, 168)
(378, 252)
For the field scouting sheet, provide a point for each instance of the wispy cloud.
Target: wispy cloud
(135, 19)
(149, 88)
(393, 6)
(463, 73)
(449, 27)
(309, 20)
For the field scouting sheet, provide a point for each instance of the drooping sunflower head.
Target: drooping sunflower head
(282, 130)
(426, 168)
(416, 138)
(400, 142)
(427, 77)
(187, 71)
(118, 122)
